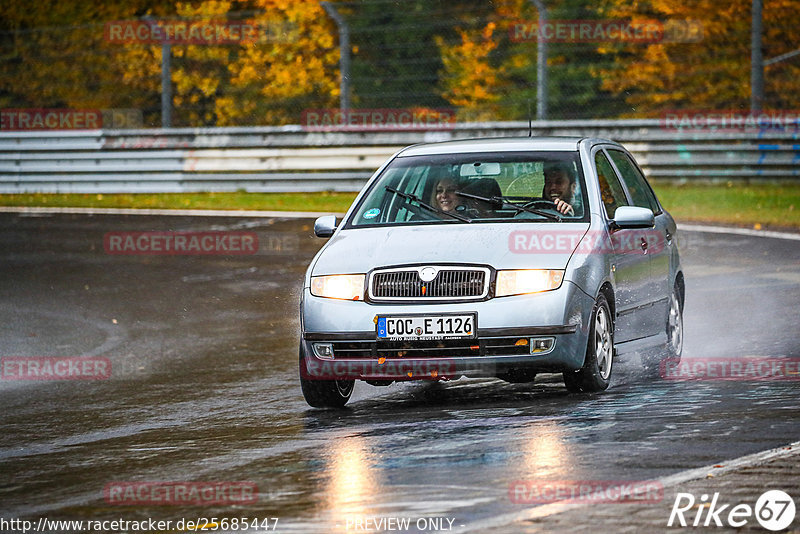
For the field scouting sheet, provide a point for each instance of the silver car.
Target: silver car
(501, 257)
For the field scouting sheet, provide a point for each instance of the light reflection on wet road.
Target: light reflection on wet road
(204, 387)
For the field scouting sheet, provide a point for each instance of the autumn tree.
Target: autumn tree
(290, 65)
(710, 73)
(273, 82)
(416, 53)
(489, 75)
(472, 84)
(53, 54)
(57, 54)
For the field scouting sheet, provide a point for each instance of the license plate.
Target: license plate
(421, 327)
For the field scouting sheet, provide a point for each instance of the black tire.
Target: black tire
(595, 375)
(324, 393)
(674, 329)
(675, 325)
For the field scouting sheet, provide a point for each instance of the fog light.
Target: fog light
(541, 345)
(323, 351)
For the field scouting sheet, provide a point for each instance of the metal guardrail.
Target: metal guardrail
(289, 158)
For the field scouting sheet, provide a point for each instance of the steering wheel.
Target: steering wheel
(546, 204)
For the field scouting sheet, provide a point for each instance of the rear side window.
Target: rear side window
(641, 194)
(610, 188)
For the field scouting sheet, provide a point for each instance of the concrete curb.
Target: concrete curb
(709, 471)
(738, 231)
(181, 213)
(315, 214)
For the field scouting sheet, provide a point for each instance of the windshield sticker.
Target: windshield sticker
(371, 213)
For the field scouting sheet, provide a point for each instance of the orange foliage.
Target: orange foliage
(714, 71)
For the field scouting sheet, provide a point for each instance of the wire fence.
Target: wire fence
(259, 63)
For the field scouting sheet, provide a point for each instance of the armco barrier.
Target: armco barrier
(289, 158)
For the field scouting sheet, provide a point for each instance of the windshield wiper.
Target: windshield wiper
(415, 198)
(503, 202)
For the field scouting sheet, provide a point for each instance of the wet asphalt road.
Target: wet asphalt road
(204, 387)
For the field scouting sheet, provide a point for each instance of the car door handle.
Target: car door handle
(668, 235)
(644, 245)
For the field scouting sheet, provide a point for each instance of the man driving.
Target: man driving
(559, 186)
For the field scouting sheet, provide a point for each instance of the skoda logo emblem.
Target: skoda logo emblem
(426, 274)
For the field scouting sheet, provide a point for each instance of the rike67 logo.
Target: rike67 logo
(774, 510)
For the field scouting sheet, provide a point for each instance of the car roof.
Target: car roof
(497, 144)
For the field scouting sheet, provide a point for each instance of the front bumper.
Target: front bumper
(348, 327)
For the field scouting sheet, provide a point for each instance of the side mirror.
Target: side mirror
(633, 217)
(325, 226)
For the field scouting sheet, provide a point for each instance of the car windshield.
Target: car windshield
(484, 187)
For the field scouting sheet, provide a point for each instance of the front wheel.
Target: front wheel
(595, 375)
(324, 393)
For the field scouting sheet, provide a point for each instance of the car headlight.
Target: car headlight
(528, 281)
(338, 286)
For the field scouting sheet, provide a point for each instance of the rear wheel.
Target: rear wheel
(675, 326)
(324, 393)
(674, 331)
(595, 375)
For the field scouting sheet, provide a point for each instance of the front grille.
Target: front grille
(430, 349)
(449, 283)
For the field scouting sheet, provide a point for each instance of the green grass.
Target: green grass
(754, 205)
(326, 201)
(767, 205)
